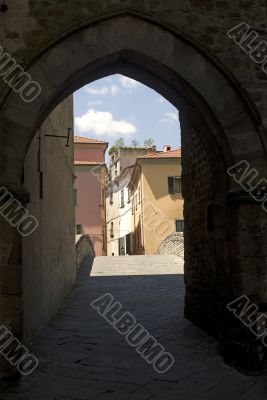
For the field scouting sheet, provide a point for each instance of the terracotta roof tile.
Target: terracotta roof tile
(81, 139)
(176, 153)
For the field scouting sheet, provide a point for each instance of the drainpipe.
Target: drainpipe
(142, 211)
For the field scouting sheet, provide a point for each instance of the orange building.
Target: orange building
(157, 202)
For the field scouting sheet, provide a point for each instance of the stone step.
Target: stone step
(137, 260)
(137, 265)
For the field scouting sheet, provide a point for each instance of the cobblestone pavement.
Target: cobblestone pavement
(83, 358)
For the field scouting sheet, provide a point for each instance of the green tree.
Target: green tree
(149, 143)
(134, 143)
(119, 142)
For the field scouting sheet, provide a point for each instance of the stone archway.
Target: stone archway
(207, 95)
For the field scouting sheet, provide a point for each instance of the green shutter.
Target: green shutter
(171, 185)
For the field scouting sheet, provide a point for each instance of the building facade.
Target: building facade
(90, 172)
(118, 199)
(156, 199)
(49, 179)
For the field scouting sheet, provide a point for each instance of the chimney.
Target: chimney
(166, 147)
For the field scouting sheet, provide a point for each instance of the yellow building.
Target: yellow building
(157, 203)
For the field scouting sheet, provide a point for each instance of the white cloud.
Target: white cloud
(170, 118)
(172, 115)
(128, 83)
(103, 123)
(108, 79)
(99, 91)
(113, 90)
(161, 99)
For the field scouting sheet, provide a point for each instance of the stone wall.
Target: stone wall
(49, 253)
(224, 255)
(84, 250)
(181, 49)
(172, 245)
(29, 24)
(198, 238)
(246, 275)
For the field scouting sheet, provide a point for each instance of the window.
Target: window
(129, 195)
(75, 197)
(179, 225)
(111, 197)
(79, 229)
(174, 184)
(116, 169)
(122, 198)
(103, 198)
(112, 230)
(41, 185)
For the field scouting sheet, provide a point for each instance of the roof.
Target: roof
(88, 163)
(81, 139)
(176, 153)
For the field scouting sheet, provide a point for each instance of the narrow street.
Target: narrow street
(83, 358)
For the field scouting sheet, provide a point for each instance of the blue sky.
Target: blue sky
(117, 106)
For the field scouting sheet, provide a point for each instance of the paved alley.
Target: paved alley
(82, 357)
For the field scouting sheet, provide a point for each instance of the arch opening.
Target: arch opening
(79, 58)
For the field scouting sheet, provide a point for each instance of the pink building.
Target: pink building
(90, 172)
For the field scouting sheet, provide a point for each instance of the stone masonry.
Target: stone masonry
(181, 49)
(172, 245)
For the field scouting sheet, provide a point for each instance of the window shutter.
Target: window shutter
(112, 230)
(179, 225)
(178, 185)
(171, 185)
